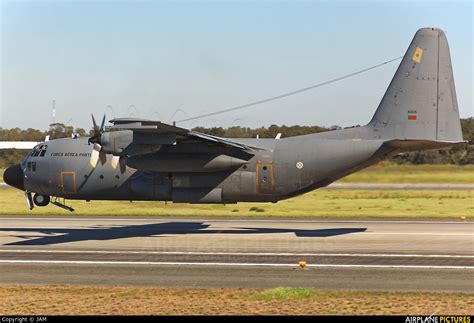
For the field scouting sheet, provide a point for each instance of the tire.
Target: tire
(41, 200)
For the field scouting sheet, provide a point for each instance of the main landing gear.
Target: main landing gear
(41, 200)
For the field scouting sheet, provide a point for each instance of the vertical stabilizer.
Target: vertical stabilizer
(420, 102)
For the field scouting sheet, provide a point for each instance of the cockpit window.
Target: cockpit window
(39, 151)
(35, 148)
(43, 150)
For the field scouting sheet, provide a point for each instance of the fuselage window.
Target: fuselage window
(31, 166)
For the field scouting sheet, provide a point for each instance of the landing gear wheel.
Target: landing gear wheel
(41, 200)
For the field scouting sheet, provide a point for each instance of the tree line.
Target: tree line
(460, 155)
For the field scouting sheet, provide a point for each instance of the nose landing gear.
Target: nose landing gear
(41, 200)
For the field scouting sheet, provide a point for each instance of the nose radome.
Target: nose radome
(13, 176)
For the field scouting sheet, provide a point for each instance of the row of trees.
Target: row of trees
(458, 155)
(56, 130)
(10, 157)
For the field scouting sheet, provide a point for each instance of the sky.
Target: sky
(173, 60)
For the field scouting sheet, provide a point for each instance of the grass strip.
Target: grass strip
(320, 204)
(103, 300)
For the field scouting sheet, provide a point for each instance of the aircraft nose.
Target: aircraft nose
(13, 176)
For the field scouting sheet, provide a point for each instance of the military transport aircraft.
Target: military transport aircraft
(138, 159)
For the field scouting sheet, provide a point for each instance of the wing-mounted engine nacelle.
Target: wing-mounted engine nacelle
(128, 142)
(115, 142)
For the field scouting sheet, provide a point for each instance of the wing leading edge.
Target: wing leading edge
(146, 127)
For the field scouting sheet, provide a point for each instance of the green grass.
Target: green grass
(114, 300)
(319, 203)
(416, 174)
(282, 293)
(127, 293)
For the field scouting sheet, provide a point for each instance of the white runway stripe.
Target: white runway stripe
(230, 253)
(215, 264)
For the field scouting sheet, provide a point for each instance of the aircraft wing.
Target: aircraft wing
(144, 126)
(219, 141)
(148, 129)
(17, 144)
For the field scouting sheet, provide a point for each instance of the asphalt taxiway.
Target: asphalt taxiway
(357, 254)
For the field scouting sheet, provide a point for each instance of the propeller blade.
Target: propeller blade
(102, 157)
(95, 138)
(95, 155)
(115, 161)
(118, 161)
(123, 166)
(102, 124)
(96, 129)
(94, 158)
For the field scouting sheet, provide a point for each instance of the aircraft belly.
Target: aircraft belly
(305, 163)
(149, 186)
(198, 187)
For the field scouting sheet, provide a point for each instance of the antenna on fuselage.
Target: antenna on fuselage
(54, 111)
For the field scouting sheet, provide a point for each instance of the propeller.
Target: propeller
(118, 161)
(97, 151)
(115, 161)
(97, 131)
(95, 139)
(95, 155)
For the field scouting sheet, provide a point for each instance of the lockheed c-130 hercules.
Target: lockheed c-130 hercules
(137, 159)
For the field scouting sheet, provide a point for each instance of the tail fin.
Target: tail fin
(420, 102)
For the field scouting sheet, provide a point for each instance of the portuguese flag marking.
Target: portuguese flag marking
(412, 117)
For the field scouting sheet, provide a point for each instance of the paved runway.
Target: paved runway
(176, 252)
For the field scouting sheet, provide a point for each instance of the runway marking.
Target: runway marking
(233, 253)
(207, 220)
(87, 262)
